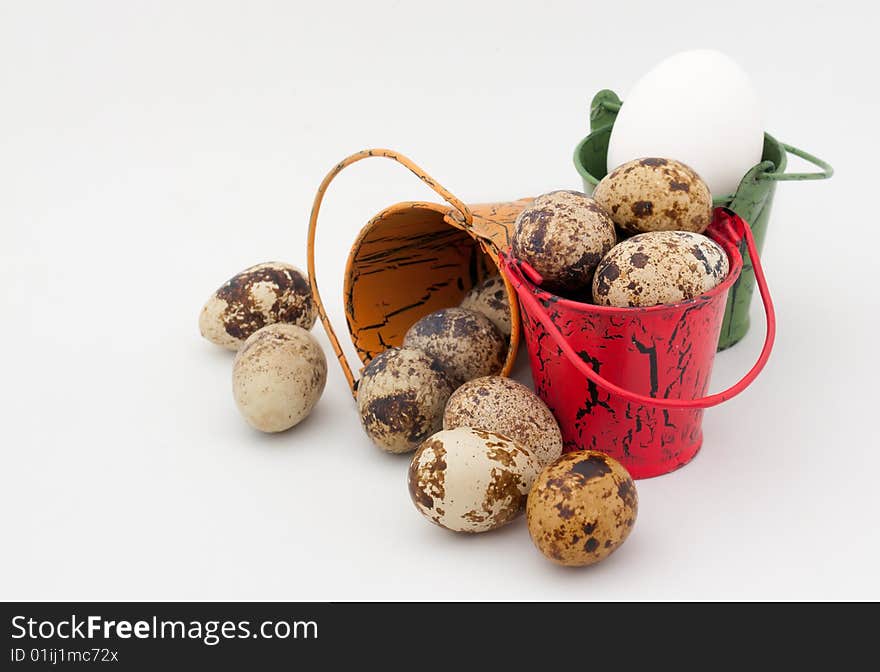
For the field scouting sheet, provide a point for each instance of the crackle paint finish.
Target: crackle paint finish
(581, 508)
(660, 352)
(471, 480)
(412, 259)
(652, 354)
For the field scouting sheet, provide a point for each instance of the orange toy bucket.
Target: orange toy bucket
(411, 259)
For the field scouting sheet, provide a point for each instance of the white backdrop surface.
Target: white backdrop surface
(149, 150)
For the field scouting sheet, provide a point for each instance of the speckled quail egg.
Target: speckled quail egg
(655, 195)
(490, 298)
(401, 397)
(507, 407)
(278, 376)
(465, 343)
(660, 267)
(563, 235)
(260, 295)
(581, 508)
(471, 480)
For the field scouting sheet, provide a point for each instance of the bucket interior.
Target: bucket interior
(408, 261)
(591, 153)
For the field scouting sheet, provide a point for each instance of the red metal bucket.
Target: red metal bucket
(630, 381)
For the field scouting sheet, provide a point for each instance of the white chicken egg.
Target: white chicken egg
(698, 107)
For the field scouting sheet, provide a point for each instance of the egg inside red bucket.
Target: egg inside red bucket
(630, 381)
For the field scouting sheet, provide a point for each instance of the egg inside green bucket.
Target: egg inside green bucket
(752, 201)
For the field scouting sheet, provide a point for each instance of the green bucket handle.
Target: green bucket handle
(827, 170)
(606, 105)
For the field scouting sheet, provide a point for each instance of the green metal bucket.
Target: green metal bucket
(752, 200)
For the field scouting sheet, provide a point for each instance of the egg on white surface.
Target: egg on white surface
(263, 294)
(698, 107)
(581, 508)
(471, 480)
(278, 376)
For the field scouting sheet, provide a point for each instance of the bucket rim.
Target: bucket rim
(724, 199)
(392, 209)
(508, 261)
(442, 211)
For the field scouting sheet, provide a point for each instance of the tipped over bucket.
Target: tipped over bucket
(412, 259)
(630, 382)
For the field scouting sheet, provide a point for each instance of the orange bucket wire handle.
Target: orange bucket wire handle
(461, 213)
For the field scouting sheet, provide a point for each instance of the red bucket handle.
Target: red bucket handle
(736, 230)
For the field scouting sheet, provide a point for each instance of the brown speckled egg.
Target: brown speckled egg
(465, 343)
(507, 407)
(471, 480)
(581, 508)
(490, 298)
(659, 267)
(401, 398)
(563, 235)
(260, 295)
(278, 376)
(655, 195)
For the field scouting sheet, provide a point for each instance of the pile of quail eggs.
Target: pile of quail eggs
(485, 448)
(637, 242)
(265, 313)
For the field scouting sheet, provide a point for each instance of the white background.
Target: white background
(150, 150)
